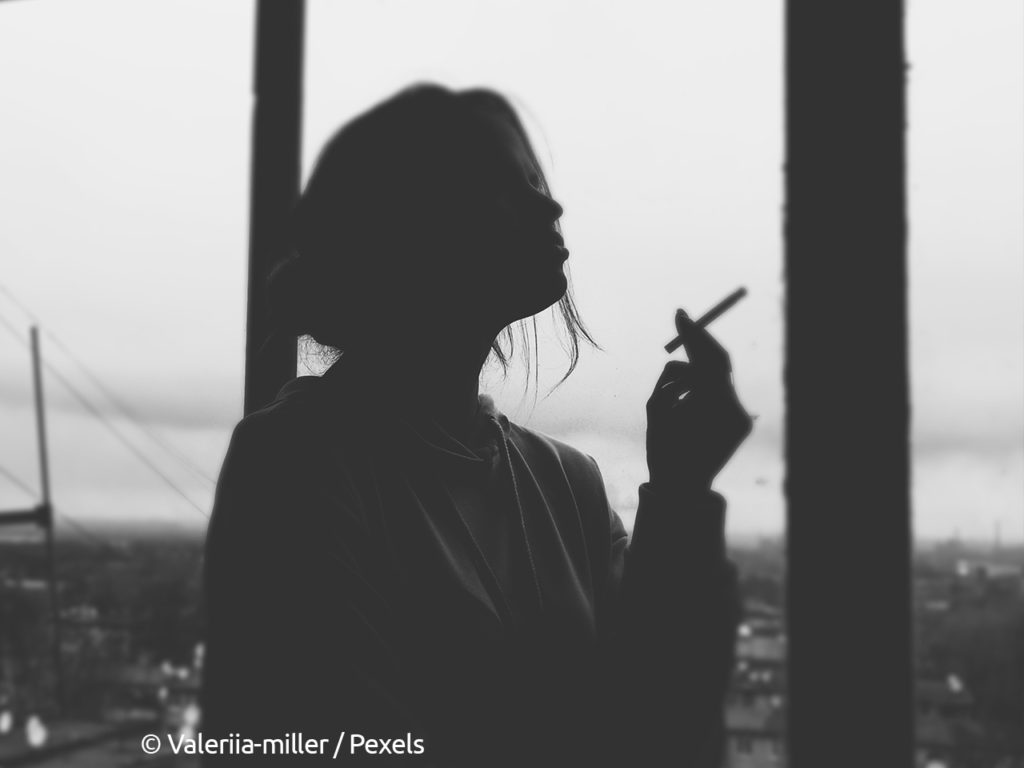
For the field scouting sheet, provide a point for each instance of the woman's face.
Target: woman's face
(514, 254)
(472, 243)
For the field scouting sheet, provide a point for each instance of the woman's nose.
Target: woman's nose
(549, 206)
(558, 210)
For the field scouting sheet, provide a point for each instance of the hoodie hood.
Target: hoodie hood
(399, 427)
(483, 449)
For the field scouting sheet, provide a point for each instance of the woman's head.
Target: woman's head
(429, 211)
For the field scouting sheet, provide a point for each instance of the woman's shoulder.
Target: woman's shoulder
(558, 466)
(298, 404)
(283, 432)
(539, 446)
(276, 460)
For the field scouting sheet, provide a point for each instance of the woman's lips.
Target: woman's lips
(551, 243)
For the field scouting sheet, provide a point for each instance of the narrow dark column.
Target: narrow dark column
(847, 422)
(276, 157)
(46, 520)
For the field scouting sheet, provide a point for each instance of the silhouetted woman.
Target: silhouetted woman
(392, 558)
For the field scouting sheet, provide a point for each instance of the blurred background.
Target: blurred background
(125, 132)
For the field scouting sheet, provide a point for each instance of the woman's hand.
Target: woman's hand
(689, 440)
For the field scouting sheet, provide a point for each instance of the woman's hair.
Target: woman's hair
(382, 186)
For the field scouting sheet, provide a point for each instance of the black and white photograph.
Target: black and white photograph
(512, 384)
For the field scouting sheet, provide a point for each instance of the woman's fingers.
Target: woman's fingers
(676, 378)
(673, 370)
(695, 419)
(680, 377)
(701, 347)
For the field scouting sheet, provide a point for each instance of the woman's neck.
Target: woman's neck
(440, 380)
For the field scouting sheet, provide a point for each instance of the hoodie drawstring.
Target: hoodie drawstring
(503, 447)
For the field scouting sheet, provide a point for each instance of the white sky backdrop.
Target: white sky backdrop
(124, 148)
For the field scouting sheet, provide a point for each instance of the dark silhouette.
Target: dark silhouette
(389, 556)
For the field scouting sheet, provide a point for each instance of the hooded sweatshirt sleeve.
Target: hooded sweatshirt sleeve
(298, 638)
(670, 618)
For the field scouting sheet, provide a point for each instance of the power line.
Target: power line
(130, 414)
(14, 331)
(124, 440)
(18, 481)
(118, 404)
(17, 302)
(85, 403)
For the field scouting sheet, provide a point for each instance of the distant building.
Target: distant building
(756, 738)
(755, 712)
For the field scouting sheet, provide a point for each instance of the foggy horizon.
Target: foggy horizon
(147, 168)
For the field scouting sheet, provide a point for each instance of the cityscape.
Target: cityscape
(131, 653)
(154, 154)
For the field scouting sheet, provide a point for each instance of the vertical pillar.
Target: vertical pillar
(847, 420)
(45, 512)
(276, 175)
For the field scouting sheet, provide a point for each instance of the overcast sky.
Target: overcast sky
(124, 147)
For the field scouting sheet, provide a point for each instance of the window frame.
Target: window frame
(847, 468)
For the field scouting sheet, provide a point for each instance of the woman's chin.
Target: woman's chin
(562, 284)
(544, 293)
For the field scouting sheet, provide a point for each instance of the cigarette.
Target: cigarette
(710, 316)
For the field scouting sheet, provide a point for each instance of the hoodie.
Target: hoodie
(369, 578)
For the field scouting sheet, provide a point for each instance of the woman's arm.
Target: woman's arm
(674, 630)
(667, 616)
(676, 605)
